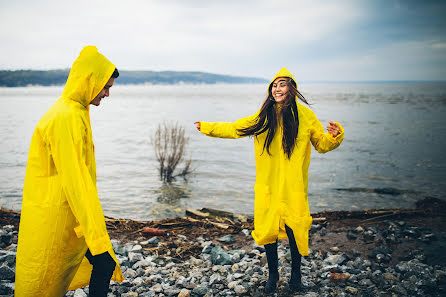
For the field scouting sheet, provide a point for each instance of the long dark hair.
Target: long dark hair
(267, 119)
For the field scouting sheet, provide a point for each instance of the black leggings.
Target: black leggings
(103, 267)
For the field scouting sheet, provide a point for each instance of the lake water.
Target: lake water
(392, 155)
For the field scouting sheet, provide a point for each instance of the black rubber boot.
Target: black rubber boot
(296, 258)
(273, 263)
(103, 267)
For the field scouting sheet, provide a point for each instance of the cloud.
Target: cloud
(253, 38)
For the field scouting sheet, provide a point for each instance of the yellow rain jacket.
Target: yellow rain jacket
(61, 213)
(281, 184)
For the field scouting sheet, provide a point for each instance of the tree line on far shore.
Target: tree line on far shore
(23, 78)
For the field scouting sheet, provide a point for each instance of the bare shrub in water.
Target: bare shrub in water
(170, 144)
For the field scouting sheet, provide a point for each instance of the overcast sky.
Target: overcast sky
(316, 40)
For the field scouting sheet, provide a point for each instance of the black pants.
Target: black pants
(103, 267)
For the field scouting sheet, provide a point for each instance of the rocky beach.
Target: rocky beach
(393, 252)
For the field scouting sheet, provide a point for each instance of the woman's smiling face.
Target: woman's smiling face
(280, 89)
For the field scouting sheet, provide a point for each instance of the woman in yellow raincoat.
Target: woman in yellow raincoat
(62, 223)
(284, 130)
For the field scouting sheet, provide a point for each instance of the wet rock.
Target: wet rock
(200, 291)
(154, 240)
(315, 227)
(335, 259)
(246, 232)
(136, 248)
(227, 238)
(402, 267)
(240, 290)
(130, 294)
(428, 237)
(207, 249)
(6, 273)
(339, 277)
(398, 289)
(134, 257)
(5, 290)
(380, 250)
(220, 257)
(184, 293)
(351, 235)
(351, 290)
(8, 257)
(390, 277)
(79, 293)
(172, 291)
(6, 238)
(358, 229)
(365, 282)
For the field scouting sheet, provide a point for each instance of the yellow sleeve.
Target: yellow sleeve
(325, 142)
(68, 146)
(226, 129)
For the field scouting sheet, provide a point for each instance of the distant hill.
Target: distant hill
(22, 78)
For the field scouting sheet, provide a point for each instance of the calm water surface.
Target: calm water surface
(392, 154)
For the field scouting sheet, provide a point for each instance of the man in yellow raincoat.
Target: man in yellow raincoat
(63, 241)
(284, 131)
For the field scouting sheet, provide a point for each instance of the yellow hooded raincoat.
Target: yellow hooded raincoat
(281, 183)
(61, 213)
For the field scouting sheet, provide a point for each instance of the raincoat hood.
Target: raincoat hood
(282, 73)
(88, 76)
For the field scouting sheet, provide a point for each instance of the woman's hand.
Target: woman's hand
(333, 128)
(198, 126)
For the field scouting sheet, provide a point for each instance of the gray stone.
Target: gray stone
(402, 267)
(6, 238)
(335, 259)
(214, 279)
(380, 250)
(184, 293)
(135, 257)
(79, 293)
(130, 273)
(5, 290)
(137, 281)
(351, 235)
(8, 257)
(207, 249)
(227, 238)
(136, 248)
(240, 290)
(154, 240)
(171, 291)
(130, 294)
(147, 294)
(6, 273)
(399, 290)
(351, 290)
(157, 288)
(365, 282)
(200, 291)
(220, 257)
(142, 263)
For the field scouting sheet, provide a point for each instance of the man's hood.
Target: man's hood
(88, 76)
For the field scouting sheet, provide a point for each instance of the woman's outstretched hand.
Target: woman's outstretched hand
(333, 128)
(198, 125)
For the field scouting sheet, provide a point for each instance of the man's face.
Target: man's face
(105, 92)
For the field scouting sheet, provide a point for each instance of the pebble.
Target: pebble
(219, 272)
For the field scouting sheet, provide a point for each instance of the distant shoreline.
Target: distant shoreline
(23, 78)
(58, 77)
